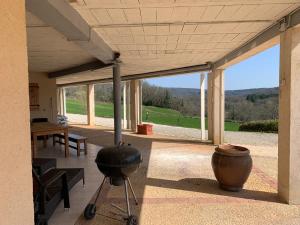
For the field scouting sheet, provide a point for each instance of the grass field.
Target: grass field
(155, 115)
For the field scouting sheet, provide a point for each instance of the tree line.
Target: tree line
(242, 106)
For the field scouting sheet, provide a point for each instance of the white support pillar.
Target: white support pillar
(124, 105)
(209, 107)
(58, 108)
(289, 117)
(202, 106)
(64, 101)
(128, 125)
(134, 104)
(216, 106)
(61, 101)
(90, 95)
(140, 108)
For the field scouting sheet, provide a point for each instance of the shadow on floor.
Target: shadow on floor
(104, 137)
(210, 186)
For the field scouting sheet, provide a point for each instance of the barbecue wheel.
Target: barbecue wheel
(132, 220)
(90, 211)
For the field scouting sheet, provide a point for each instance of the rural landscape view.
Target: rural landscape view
(245, 110)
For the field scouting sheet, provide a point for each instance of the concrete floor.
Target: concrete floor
(176, 185)
(245, 138)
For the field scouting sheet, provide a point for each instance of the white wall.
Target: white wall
(47, 96)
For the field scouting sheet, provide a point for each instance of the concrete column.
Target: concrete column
(124, 106)
(128, 125)
(216, 106)
(64, 101)
(134, 104)
(90, 89)
(209, 107)
(117, 104)
(16, 205)
(289, 117)
(58, 101)
(140, 108)
(61, 101)
(202, 106)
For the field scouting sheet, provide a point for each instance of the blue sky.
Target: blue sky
(261, 70)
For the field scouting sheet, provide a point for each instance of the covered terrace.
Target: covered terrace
(51, 44)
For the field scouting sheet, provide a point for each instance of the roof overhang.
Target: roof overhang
(262, 41)
(162, 38)
(161, 73)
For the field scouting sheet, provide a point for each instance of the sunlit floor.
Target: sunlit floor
(176, 185)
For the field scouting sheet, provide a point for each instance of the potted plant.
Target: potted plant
(144, 129)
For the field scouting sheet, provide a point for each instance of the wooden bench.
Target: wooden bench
(73, 138)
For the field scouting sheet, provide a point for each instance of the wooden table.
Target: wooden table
(46, 128)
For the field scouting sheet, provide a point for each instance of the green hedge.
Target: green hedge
(270, 126)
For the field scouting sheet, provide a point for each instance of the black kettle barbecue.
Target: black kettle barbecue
(117, 163)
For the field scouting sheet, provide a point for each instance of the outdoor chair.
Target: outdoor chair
(51, 185)
(42, 165)
(48, 190)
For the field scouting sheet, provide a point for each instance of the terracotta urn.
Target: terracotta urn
(232, 166)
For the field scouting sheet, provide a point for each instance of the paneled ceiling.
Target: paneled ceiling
(48, 50)
(154, 35)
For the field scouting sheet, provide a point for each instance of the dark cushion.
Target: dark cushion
(39, 120)
(74, 175)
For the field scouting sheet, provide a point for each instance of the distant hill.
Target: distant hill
(240, 105)
(245, 92)
(180, 92)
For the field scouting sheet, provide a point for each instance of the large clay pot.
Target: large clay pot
(232, 166)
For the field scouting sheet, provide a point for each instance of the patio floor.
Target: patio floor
(176, 185)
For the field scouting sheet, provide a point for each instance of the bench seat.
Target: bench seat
(75, 142)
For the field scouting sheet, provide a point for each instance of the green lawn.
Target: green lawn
(155, 115)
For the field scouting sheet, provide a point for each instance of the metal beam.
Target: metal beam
(263, 40)
(64, 18)
(79, 69)
(117, 104)
(161, 73)
(128, 25)
(176, 71)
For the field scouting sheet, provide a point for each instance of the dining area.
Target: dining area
(54, 172)
(41, 129)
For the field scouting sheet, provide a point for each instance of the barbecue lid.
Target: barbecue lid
(118, 156)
